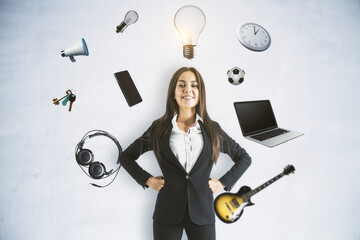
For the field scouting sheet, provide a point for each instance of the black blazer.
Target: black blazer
(180, 188)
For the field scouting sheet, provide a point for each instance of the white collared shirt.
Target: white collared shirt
(186, 146)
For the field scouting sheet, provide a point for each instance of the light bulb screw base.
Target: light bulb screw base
(189, 51)
(121, 27)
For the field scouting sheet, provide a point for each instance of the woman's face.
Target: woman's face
(187, 90)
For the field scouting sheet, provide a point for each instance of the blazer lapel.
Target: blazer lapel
(170, 157)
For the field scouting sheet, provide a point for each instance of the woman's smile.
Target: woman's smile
(187, 98)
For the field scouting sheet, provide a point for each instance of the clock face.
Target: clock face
(253, 37)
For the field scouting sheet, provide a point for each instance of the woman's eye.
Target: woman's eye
(195, 86)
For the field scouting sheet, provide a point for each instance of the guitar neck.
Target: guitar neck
(249, 194)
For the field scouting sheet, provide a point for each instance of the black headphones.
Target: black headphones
(85, 158)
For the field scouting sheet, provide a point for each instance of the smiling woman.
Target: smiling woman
(186, 143)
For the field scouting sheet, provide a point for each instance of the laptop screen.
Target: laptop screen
(255, 116)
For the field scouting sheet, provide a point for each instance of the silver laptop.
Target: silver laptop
(258, 123)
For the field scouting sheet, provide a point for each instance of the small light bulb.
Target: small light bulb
(130, 18)
(189, 22)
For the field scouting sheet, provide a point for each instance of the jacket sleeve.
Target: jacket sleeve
(132, 153)
(241, 159)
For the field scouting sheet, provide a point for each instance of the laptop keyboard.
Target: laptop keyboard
(269, 134)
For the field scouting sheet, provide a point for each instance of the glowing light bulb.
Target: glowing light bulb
(189, 22)
(130, 18)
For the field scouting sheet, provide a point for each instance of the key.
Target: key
(72, 99)
(65, 101)
(56, 101)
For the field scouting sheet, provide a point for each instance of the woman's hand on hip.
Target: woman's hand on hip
(215, 185)
(156, 183)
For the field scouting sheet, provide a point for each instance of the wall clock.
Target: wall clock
(253, 37)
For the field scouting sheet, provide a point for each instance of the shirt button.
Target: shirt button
(187, 177)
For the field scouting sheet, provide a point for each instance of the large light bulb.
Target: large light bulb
(130, 18)
(189, 22)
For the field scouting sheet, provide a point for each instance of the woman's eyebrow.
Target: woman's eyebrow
(184, 81)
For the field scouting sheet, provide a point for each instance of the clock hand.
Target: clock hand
(255, 32)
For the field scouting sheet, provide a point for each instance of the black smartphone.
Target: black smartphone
(128, 88)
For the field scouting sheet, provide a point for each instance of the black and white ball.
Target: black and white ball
(236, 75)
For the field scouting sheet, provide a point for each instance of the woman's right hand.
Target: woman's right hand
(156, 183)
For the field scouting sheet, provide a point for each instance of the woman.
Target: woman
(186, 143)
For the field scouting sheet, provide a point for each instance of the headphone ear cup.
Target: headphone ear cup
(97, 170)
(85, 157)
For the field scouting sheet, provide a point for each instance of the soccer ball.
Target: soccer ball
(236, 75)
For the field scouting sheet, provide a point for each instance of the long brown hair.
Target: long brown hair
(163, 125)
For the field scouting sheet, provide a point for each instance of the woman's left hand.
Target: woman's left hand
(215, 185)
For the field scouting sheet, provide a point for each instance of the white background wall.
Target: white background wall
(310, 73)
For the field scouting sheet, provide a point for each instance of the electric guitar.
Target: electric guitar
(229, 207)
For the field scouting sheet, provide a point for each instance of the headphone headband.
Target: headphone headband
(94, 133)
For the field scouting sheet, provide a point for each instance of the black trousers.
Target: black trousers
(163, 231)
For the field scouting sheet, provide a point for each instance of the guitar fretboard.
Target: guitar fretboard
(249, 194)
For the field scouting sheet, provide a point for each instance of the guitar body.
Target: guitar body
(229, 207)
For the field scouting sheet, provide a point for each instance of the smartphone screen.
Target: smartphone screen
(128, 88)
